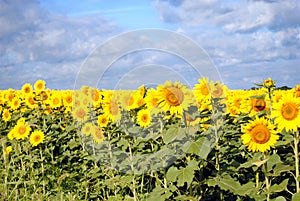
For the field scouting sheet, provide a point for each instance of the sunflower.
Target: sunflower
(103, 120)
(39, 86)
(6, 115)
(218, 90)
(55, 100)
(287, 113)
(269, 83)
(80, 113)
(30, 102)
(21, 130)
(27, 89)
(259, 135)
(297, 91)
(36, 138)
(97, 134)
(15, 103)
(8, 150)
(68, 98)
(87, 128)
(173, 98)
(143, 118)
(111, 108)
(203, 89)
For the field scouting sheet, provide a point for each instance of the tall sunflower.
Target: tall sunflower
(36, 138)
(39, 86)
(173, 98)
(287, 113)
(27, 89)
(259, 135)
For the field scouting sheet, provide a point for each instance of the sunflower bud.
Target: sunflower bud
(269, 83)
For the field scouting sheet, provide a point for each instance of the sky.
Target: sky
(62, 42)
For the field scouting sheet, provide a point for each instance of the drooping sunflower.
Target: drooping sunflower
(36, 138)
(39, 86)
(259, 135)
(27, 89)
(8, 149)
(173, 98)
(30, 102)
(97, 134)
(287, 113)
(144, 118)
(218, 90)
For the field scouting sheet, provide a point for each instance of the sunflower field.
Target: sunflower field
(165, 143)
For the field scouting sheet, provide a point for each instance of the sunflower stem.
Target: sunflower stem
(42, 164)
(296, 152)
(267, 178)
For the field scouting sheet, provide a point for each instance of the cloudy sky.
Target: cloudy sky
(246, 41)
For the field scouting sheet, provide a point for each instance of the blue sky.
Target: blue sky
(247, 40)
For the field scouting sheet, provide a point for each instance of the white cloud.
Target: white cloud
(31, 36)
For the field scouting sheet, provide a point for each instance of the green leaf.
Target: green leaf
(273, 160)
(172, 174)
(72, 144)
(280, 198)
(185, 175)
(279, 187)
(170, 134)
(279, 168)
(296, 197)
(201, 147)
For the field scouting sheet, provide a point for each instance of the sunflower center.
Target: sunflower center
(289, 111)
(55, 101)
(80, 113)
(260, 134)
(37, 138)
(27, 90)
(259, 105)
(174, 96)
(204, 89)
(40, 86)
(145, 118)
(22, 130)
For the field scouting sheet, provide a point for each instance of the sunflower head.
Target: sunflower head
(27, 88)
(287, 113)
(97, 134)
(173, 98)
(259, 135)
(39, 86)
(269, 83)
(36, 138)
(144, 118)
